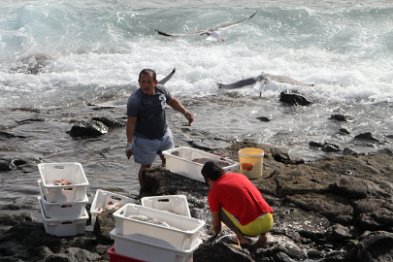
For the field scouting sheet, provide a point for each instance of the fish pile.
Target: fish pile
(151, 220)
(62, 182)
(220, 163)
(111, 206)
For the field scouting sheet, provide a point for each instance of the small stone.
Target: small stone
(338, 117)
(344, 131)
(293, 98)
(92, 129)
(366, 136)
(315, 144)
(264, 119)
(4, 165)
(330, 148)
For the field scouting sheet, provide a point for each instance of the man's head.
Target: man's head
(212, 171)
(147, 81)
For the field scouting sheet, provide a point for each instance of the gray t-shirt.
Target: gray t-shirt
(150, 112)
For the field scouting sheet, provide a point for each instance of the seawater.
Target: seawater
(61, 53)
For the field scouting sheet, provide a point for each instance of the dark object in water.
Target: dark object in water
(220, 163)
(293, 98)
(91, 129)
(366, 136)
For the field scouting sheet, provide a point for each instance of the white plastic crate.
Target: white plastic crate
(149, 249)
(182, 233)
(105, 200)
(63, 227)
(73, 172)
(63, 210)
(176, 204)
(180, 161)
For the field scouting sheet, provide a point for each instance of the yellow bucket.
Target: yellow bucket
(251, 162)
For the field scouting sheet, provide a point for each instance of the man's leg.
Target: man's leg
(141, 170)
(229, 223)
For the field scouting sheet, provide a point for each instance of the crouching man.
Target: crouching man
(236, 202)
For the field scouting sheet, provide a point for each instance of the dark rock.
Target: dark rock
(152, 180)
(221, 252)
(4, 165)
(208, 144)
(282, 243)
(314, 254)
(4, 134)
(344, 131)
(59, 258)
(375, 246)
(93, 129)
(389, 136)
(27, 121)
(348, 151)
(386, 151)
(19, 162)
(264, 119)
(109, 122)
(338, 117)
(366, 136)
(350, 187)
(283, 157)
(315, 144)
(293, 98)
(330, 148)
(282, 257)
(104, 224)
(339, 233)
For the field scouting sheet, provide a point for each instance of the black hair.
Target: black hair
(212, 171)
(149, 72)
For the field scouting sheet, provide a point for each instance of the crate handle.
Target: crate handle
(163, 200)
(116, 198)
(58, 167)
(66, 206)
(66, 222)
(68, 188)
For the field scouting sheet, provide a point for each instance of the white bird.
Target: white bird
(213, 33)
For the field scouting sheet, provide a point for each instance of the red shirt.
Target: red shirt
(239, 196)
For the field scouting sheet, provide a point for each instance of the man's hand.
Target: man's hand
(189, 117)
(129, 150)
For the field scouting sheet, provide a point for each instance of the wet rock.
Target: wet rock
(315, 144)
(375, 246)
(374, 214)
(152, 180)
(344, 131)
(314, 254)
(221, 252)
(339, 233)
(33, 64)
(104, 224)
(4, 134)
(92, 129)
(264, 118)
(30, 120)
(339, 117)
(366, 136)
(330, 148)
(293, 98)
(110, 122)
(4, 165)
(389, 136)
(349, 151)
(282, 257)
(283, 157)
(350, 187)
(386, 151)
(281, 243)
(208, 144)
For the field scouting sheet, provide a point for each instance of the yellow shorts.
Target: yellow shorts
(260, 225)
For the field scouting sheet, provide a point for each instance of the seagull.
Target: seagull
(213, 33)
(261, 82)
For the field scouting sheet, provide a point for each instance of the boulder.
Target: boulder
(374, 247)
(330, 148)
(344, 131)
(110, 122)
(366, 136)
(338, 117)
(293, 98)
(84, 129)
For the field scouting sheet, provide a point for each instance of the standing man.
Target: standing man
(235, 201)
(147, 132)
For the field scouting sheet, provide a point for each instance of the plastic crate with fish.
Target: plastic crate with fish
(176, 204)
(105, 200)
(188, 162)
(66, 210)
(178, 231)
(63, 227)
(150, 249)
(63, 182)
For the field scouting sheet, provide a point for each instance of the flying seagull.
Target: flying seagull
(262, 80)
(214, 32)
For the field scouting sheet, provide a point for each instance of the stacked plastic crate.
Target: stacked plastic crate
(159, 230)
(63, 198)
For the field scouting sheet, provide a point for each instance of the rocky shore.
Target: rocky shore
(336, 208)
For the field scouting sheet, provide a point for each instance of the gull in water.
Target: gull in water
(260, 82)
(213, 33)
